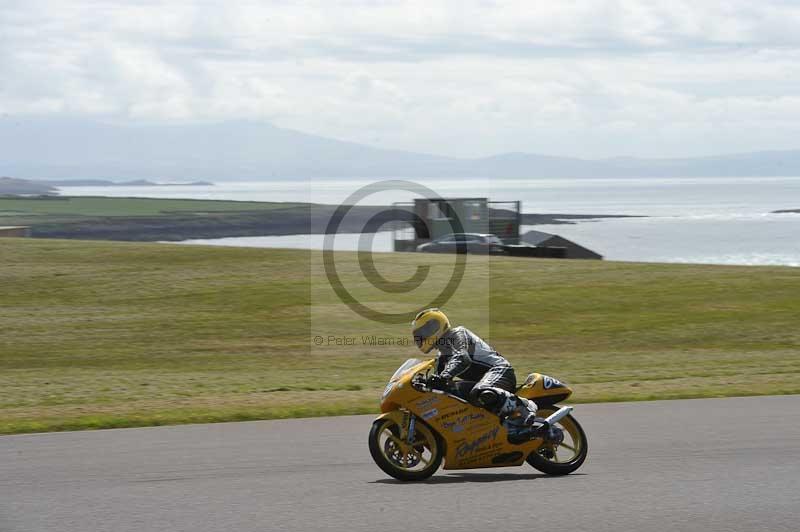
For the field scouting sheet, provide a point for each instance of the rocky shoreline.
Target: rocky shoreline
(568, 219)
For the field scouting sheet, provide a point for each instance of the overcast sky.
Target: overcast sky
(460, 77)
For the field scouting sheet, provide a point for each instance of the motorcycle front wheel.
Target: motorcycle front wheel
(403, 460)
(567, 456)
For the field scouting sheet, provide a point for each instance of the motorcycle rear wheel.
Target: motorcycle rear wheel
(574, 448)
(402, 460)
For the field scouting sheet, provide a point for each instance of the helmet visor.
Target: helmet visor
(425, 331)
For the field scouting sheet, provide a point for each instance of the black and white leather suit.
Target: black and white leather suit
(465, 355)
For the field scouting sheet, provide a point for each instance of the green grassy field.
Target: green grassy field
(102, 334)
(78, 206)
(149, 219)
(155, 220)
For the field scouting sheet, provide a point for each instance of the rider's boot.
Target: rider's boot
(519, 408)
(519, 418)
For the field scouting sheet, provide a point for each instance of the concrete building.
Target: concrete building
(15, 231)
(431, 218)
(573, 250)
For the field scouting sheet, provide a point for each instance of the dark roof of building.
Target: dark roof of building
(540, 238)
(535, 237)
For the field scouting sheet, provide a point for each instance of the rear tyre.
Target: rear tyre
(572, 450)
(402, 460)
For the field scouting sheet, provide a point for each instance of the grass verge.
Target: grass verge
(102, 334)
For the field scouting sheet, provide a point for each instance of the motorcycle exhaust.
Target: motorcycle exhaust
(558, 415)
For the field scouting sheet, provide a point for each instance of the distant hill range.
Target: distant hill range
(12, 186)
(56, 149)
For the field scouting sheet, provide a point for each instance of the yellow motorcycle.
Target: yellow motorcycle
(421, 427)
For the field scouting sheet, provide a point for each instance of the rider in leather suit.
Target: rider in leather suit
(465, 355)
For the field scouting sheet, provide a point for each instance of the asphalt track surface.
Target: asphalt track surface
(710, 465)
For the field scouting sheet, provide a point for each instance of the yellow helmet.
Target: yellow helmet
(428, 326)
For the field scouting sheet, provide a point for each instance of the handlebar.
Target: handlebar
(420, 382)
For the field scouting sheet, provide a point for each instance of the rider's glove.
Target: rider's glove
(438, 382)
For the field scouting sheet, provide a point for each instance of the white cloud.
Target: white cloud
(455, 77)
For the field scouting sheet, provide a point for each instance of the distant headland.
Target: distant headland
(10, 186)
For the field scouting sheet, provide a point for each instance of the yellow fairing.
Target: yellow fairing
(396, 415)
(472, 436)
(538, 386)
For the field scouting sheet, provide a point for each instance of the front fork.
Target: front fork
(409, 426)
(412, 424)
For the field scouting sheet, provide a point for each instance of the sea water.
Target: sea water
(700, 220)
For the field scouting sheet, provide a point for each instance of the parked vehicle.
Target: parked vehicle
(420, 428)
(464, 243)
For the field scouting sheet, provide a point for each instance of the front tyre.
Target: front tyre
(400, 459)
(567, 456)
